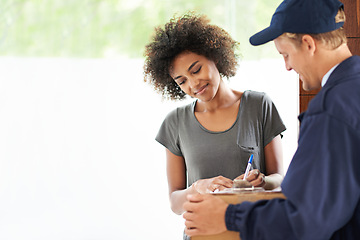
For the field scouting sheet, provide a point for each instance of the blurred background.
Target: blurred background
(78, 159)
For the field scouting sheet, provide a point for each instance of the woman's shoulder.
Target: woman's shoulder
(180, 112)
(254, 94)
(256, 100)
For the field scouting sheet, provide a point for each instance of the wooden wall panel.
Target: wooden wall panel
(352, 12)
(304, 101)
(354, 45)
(305, 97)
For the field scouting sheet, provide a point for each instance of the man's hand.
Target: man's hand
(205, 215)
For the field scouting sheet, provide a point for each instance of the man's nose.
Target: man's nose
(287, 66)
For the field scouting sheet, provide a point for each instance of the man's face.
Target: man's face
(300, 59)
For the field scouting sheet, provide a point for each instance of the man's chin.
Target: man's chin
(308, 87)
(304, 85)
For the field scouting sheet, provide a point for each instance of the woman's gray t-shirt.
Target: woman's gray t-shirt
(209, 154)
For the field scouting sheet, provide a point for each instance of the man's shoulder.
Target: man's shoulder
(340, 101)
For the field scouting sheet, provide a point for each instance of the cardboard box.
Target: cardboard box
(234, 198)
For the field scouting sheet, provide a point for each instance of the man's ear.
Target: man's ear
(308, 43)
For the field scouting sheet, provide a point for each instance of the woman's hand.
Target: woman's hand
(255, 177)
(211, 184)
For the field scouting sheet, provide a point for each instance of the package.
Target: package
(235, 197)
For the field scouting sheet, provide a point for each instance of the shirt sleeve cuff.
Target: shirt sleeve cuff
(230, 218)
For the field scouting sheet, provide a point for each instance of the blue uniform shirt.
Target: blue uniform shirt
(322, 184)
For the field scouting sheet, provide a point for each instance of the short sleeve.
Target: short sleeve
(273, 124)
(168, 134)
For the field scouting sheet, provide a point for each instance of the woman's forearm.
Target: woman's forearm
(178, 198)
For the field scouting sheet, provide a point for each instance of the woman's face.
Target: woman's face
(196, 75)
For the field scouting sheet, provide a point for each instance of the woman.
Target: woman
(209, 141)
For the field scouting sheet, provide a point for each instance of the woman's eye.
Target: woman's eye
(198, 70)
(181, 82)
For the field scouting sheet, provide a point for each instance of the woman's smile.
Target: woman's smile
(201, 90)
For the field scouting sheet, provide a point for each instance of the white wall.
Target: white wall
(78, 159)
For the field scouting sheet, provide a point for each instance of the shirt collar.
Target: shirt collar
(327, 75)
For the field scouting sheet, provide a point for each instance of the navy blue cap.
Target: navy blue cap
(300, 16)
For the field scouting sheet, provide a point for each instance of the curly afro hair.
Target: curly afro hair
(192, 33)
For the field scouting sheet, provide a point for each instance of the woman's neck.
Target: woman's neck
(224, 98)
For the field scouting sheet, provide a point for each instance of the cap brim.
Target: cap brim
(264, 36)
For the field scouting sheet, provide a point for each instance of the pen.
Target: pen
(248, 167)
